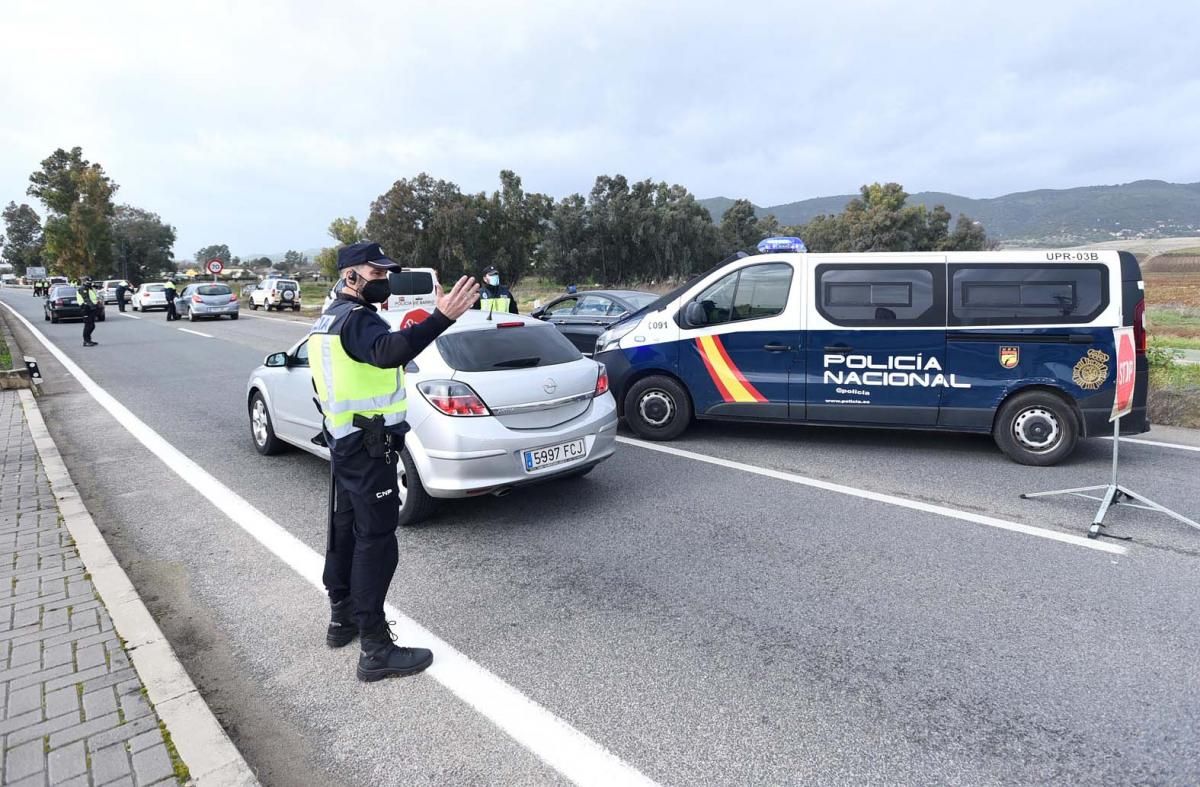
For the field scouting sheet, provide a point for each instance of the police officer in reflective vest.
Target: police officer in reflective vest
(494, 297)
(357, 365)
(87, 297)
(170, 294)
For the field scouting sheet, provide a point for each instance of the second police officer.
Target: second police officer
(87, 297)
(495, 297)
(357, 364)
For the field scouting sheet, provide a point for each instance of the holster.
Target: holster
(376, 440)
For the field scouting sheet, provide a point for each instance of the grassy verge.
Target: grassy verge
(5, 355)
(1174, 398)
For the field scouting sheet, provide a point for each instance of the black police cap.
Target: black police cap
(367, 253)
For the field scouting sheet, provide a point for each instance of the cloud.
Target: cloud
(254, 124)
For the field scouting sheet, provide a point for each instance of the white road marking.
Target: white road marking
(561, 746)
(130, 316)
(879, 497)
(197, 333)
(1159, 444)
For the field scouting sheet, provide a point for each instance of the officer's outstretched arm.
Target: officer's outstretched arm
(395, 349)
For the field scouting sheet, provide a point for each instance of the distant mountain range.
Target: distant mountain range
(1047, 217)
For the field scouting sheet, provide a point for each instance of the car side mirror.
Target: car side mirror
(694, 315)
(538, 314)
(276, 359)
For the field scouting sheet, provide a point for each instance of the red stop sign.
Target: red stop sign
(413, 317)
(1126, 372)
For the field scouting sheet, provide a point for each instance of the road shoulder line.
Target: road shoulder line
(202, 743)
(880, 497)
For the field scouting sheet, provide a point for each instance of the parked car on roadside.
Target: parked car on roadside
(151, 295)
(60, 304)
(492, 405)
(583, 316)
(208, 300)
(275, 293)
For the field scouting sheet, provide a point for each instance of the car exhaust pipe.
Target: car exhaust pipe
(502, 491)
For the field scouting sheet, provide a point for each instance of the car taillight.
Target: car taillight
(601, 382)
(60, 302)
(1139, 327)
(197, 299)
(233, 299)
(453, 398)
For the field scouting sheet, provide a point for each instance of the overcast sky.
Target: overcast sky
(256, 123)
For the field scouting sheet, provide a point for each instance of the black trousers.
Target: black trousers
(171, 313)
(120, 300)
(89, 324)
(361, 553)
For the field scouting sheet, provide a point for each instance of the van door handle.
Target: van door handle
(777, 348)
(838, 348)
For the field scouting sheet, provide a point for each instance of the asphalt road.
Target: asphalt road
(704, 624)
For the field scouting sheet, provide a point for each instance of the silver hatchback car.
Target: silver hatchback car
(492, 405)
(211, 299)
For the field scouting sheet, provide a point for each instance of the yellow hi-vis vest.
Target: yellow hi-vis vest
(91, 299)
(499, 304)
(345, 387)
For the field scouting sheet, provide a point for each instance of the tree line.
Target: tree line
(85, 233)
(621, 233)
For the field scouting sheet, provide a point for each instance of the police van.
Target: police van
(1018, 344)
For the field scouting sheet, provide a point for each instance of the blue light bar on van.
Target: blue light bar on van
(770, 245)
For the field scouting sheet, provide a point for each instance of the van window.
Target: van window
(751, 293)
(886, 295)
(1022, 294)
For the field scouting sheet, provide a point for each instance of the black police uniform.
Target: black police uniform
(91, 298)
(361, 554)
(170, 295)
(121, 289)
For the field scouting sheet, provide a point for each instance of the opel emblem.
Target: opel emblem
(549, 386)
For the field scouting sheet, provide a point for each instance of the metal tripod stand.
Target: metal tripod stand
(1114, 494)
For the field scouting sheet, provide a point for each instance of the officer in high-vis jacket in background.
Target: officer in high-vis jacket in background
(87, 297)
(495, 297)
(357, 364)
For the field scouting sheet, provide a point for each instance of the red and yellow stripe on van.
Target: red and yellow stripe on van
(731, 383)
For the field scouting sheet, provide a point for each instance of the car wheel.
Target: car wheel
(134, 305)
(253, 306)
(296, 308)
(415, 503)
(261, 428)
(100, 318)
(46, 315)
(233, 316)
(1036, 428)
(53, 317)
(191, 316)
(657, 408)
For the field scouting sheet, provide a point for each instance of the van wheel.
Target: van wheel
(657, 408)
(1036, 428)
(415, 503)
(261, 428)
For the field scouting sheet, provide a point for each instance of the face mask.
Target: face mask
(493, 281)
(376, 291)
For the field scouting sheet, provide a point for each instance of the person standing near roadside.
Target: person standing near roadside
(357, 364)
(493, 296)
(122, 288)
(169, 293)
(87, 297)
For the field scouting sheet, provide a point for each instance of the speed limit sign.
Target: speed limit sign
(214, 267)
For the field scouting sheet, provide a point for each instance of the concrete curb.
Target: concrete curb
(203, 745)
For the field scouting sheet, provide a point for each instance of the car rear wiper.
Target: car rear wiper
(518, 363)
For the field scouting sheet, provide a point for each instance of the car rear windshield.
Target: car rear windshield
(214, 289)
(285, 285)
(494, 349)
(154, 288)
(62, 292)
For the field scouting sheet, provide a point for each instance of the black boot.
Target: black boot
(342, 628)
(381, 659)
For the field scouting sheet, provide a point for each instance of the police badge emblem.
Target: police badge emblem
(1092, 370)
(1010, 357)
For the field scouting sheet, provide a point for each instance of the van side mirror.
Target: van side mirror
(276, 359)
(694, 315)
